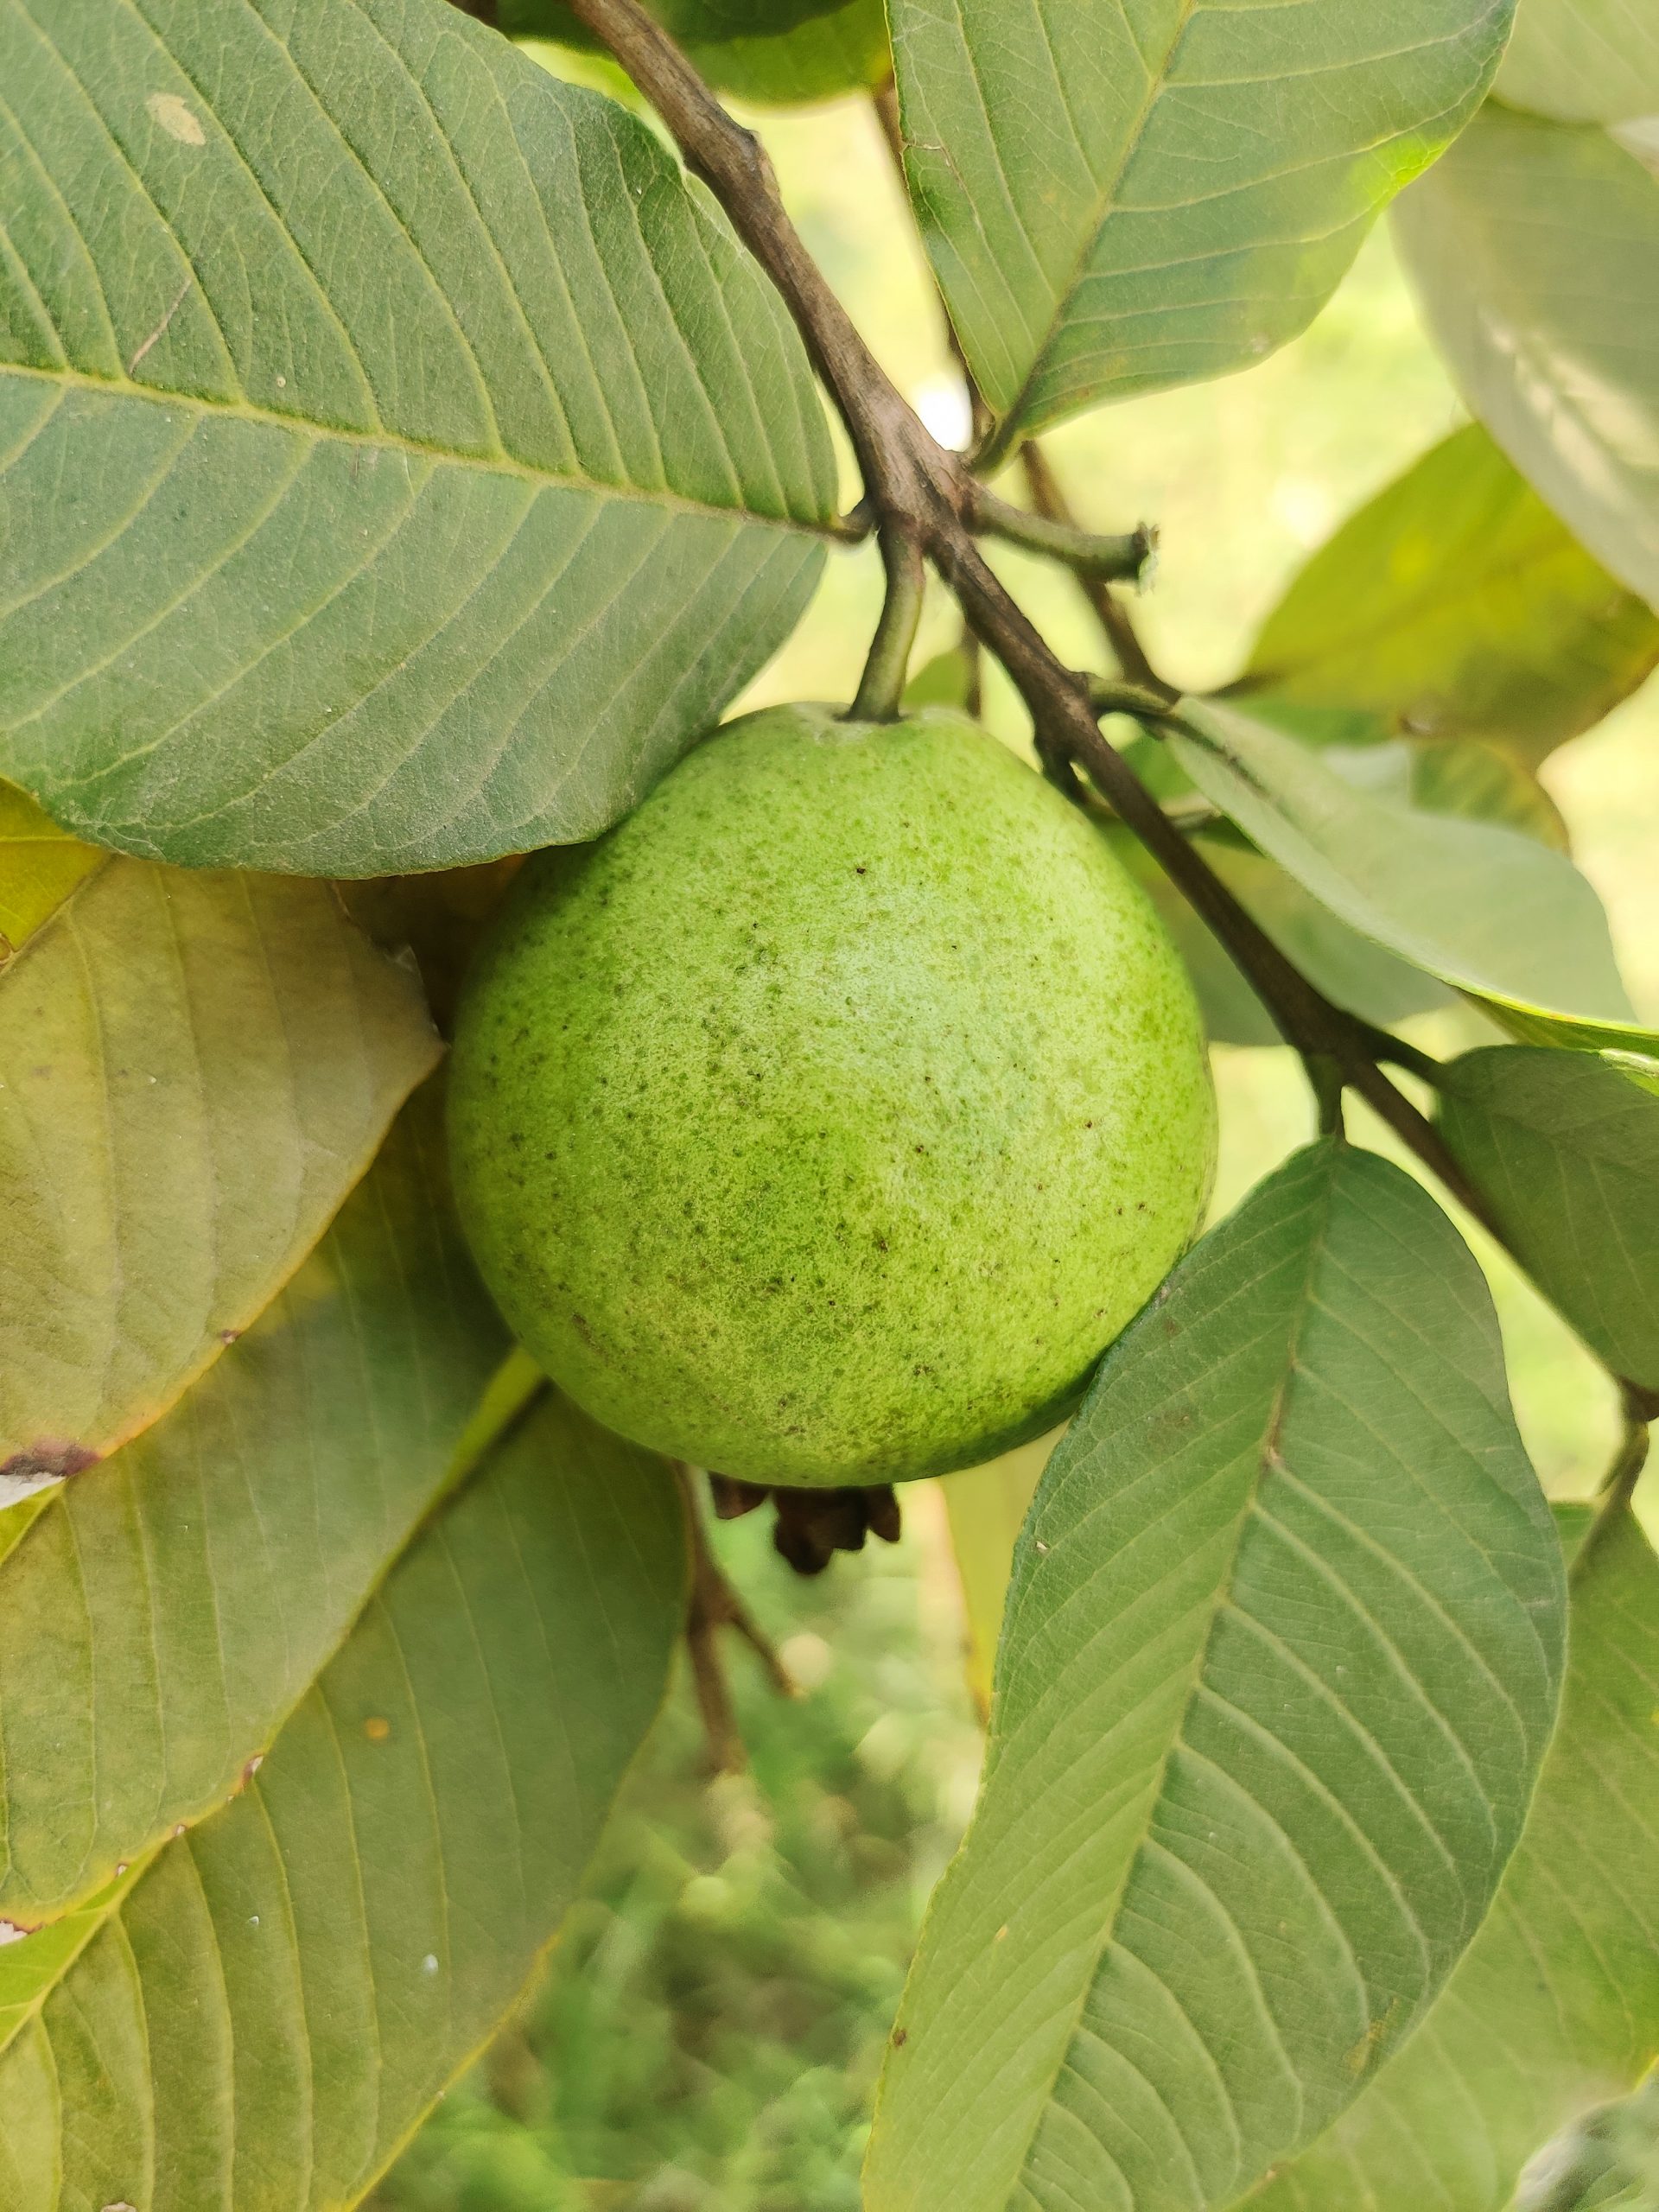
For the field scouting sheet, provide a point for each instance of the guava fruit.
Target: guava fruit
(825, 1121)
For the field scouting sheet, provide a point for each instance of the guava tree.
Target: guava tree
(404, 460)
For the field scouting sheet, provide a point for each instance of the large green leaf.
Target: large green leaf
(781, 53)
(165, 1610)
(1556, 2007)
(194, 1069)
(1461, 776)
(1583, 60)
(1565, 1150)
(1457, 605)
(1533, 246)
(1280, 1662)
(1349, 969)
(439, 463)
(1489, 911)
(258, 2019)
(39, 865)
(1123, 195)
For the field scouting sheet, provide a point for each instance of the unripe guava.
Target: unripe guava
(825, 1121)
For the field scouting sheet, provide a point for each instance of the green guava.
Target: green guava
(826, 1120)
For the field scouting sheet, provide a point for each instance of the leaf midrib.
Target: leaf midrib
(382, 441)
(1266, 1451)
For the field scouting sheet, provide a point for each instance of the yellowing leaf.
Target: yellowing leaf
(259, 2016)
(194, 1069)
(1456, 604)
(39, 865)
(985, 1508)
(165, 1612)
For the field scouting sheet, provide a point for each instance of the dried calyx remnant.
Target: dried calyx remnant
(813, 1525)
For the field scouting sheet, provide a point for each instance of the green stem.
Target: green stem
(1106, 559)
(881, 687)
(1619, 1487)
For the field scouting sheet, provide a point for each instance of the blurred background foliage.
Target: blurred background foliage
(707, 2037)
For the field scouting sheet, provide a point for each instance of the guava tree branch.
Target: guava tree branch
(925, 495)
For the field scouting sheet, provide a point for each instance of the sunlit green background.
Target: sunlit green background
(706, 2038)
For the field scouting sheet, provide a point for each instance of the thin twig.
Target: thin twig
(1098, 555)
(1110, 613)
(714, 1605)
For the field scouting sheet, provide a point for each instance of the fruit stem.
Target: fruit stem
(882, 684)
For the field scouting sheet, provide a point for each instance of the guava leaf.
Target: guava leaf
(1279, 1667)
(780, 52)
(1456, 605)
(844, 50)
(1349, 969)
(1533, 247)
(1461, 776)
(260, 2015)
(39, 865)
(1583, 60)
(442, 464)
(1565, 1150)
(163, 1613)
(1493, 912)
(985, 1508)
(1119, 195)
(1556, 2007)
(194, 1069)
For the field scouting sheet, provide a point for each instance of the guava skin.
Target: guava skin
(825, 1120)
